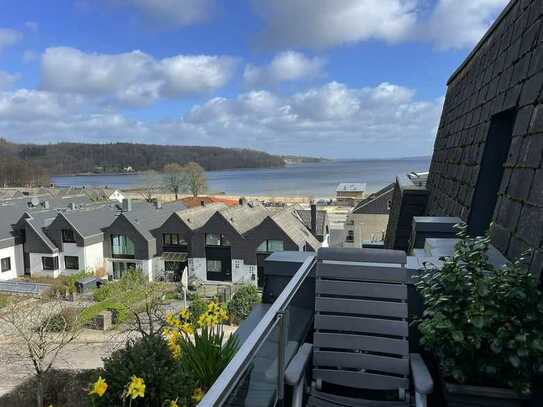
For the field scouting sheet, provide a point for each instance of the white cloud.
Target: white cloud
(8, 37)
(132, 78)
(172, 12)
(460, 23)
(328, 23)
(286, 66)
(333, 119)
(7, 80)
(325, 23)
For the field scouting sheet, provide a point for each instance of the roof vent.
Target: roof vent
(126, 205)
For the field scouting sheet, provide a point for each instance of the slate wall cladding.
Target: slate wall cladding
(504, 72)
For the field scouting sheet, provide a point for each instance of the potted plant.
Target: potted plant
(483, 323)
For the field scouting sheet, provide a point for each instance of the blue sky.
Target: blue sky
(345, 79)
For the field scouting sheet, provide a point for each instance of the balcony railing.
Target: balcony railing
(255, 376)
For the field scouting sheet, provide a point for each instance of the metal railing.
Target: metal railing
(253, 372)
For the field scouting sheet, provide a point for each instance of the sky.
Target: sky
(330, 78)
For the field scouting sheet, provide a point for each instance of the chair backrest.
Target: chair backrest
(361, 327)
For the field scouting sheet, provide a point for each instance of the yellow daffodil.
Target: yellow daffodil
(173, 403)
(136, 388)
(99, 387)
(197, 395)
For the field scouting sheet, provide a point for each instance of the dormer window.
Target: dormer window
(68, 236)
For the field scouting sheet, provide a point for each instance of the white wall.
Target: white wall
(36, 265)
(243, 273)
(15, 253)
(93, 256)
(145, 265)
(197, 268)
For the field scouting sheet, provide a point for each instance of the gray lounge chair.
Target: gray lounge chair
(360, 333)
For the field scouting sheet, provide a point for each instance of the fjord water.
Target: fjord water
(310, 179)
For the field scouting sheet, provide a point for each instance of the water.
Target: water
(312, 179)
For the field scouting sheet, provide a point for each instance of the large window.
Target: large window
(71, 262)
(122, 247)
(173, 239)
(5, 264)
(214, 266)
(49, 263)
(120, 268)
(269, 246)
(215, 239)
(68, 236)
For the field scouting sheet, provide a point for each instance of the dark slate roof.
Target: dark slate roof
(294, 228)
(91, 221)
(38, 221)
(197, 217)
(245, 217)
(376, 203)
(305, 217)
(146, 218)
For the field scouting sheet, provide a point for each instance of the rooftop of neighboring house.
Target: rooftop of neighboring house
(39, 221)
(376, 203)
(146, 217)
(90, 221)
(305, 217)
(191, 202)
(294, 228)
(197, 216)
(245, 217)
(351, 187)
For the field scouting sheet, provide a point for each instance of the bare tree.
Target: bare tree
(151, 184)
(37, 331)
(195, 178)
(174, 178)
(149, 314)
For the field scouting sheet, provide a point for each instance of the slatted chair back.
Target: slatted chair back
(361, 327)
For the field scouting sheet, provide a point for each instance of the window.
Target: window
(214, 266)
(49, 263)
(173, 239)
(120, 268)
(122, 246)
(68, 236)
(213, 239)
(71, 262)
(268, 246)
(5, 264)
(350, 236)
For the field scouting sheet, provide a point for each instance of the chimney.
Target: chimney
(242, 200)
(126, 205)
(158, 204)
(46, 204)
(202, 203)
(313, 218)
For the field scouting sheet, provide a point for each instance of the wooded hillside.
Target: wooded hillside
(73, 158)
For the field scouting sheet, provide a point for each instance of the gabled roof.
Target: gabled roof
(294, 228)
(376, 203)
(39, 221)
(245, 217)
(196, 217)
(146, 218)
(91, 221)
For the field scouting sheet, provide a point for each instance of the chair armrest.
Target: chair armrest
(421, 376)
(296, 367)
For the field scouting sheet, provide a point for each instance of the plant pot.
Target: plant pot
(459, 395)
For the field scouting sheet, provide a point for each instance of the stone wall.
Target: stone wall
(505, 72)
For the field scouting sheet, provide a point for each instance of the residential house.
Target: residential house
(349, 193)
(129, 242)
(315, 220)
(367, 221)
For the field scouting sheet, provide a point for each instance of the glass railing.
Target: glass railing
(255, 376)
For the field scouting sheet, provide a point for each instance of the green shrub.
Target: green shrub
(65, 320)
(119, 313)
(242, 303)
(150, 359)
(484, 324)
(197, 307)
(131, 280)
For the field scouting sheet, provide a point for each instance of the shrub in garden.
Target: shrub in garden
(65, 320)
(484, 324)
(148, 359)
(241, 304)
(197, 306)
